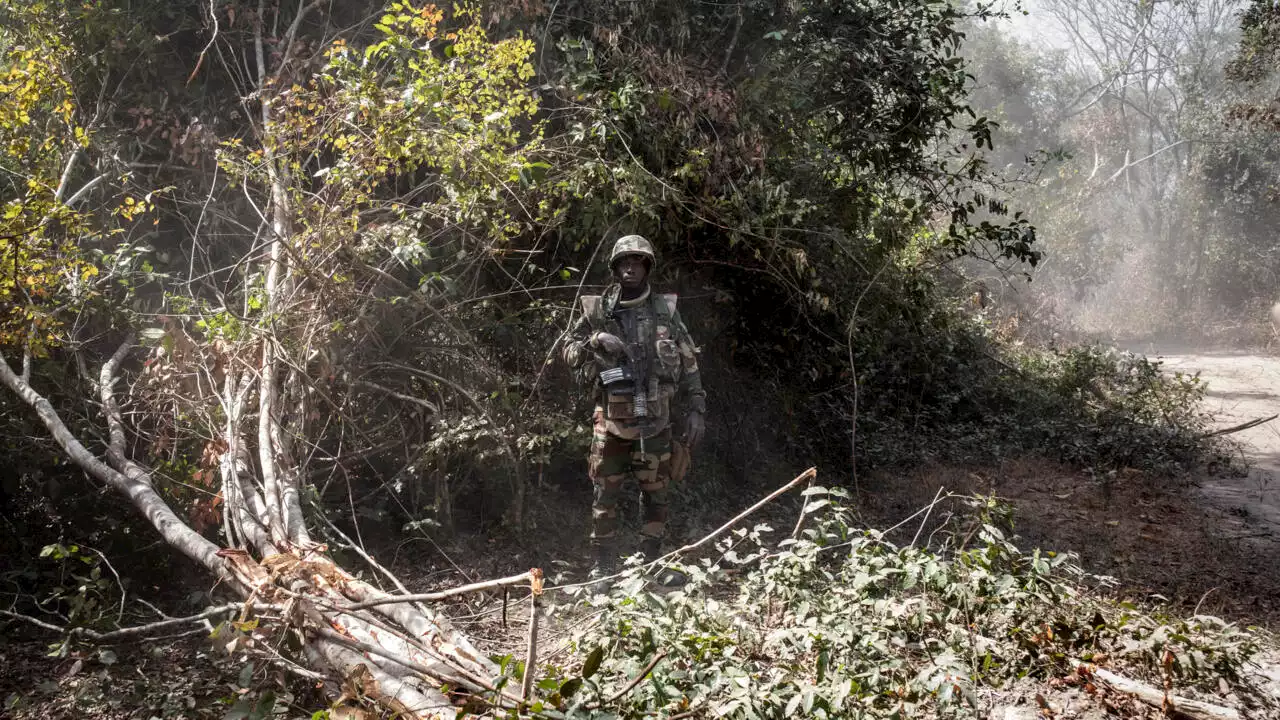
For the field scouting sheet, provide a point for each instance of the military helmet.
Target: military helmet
(632, 245)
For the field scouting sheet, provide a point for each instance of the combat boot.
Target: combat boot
(605, 565)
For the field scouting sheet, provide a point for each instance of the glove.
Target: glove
(694, 428)
(608, 343)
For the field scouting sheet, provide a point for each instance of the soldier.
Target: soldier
(632, 348)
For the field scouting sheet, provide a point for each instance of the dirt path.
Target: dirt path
(1241, 387)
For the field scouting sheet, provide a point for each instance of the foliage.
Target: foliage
(842, 623)
(1156, 203)
(40, 134)
(360, 231)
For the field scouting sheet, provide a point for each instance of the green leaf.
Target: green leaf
(570, 686)
(593, 661)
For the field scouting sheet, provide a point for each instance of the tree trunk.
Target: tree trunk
(397, 653)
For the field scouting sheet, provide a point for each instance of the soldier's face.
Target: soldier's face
(631, 271)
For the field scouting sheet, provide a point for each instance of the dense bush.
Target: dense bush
(840, 622)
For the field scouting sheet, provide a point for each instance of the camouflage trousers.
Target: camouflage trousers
(613, 460)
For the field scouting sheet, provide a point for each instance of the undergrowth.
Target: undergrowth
(987, 397)
(838, 622)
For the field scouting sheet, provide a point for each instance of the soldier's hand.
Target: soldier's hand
(609, 344)
(694, 428)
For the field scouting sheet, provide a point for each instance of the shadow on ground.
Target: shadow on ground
(1156, 537)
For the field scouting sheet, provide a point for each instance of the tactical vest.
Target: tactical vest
(635, 396)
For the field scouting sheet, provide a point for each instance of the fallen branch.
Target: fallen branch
(129, 632)
(520, 579)
(1238, 428)
(806, 475)
(1172, 704)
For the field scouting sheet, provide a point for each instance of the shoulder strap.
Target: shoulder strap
(593, 309)
(666, 305)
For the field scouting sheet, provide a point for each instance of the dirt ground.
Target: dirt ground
(1209, 542)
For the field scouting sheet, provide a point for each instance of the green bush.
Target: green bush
(841, 623)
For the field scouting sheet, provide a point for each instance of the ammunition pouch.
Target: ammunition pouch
(624, 398)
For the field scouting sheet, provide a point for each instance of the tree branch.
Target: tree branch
(137, 489)
(400, 396)
(511, 580)
(132, 632)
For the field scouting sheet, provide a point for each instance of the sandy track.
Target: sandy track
(1241, 386)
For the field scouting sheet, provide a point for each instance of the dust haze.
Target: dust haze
(1126, 135)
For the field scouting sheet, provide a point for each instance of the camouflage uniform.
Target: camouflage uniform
(625, 445)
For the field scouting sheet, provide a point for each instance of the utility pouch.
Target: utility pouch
(680, 460)
(619, 405)
(623, 399)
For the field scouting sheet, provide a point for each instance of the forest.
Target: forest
(286, 291)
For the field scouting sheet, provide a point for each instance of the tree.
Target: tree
(1145, 210)
(335, 251)
(318, 164)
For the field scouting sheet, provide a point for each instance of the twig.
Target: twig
(213, 14)
(1202, 599)
(359, 550)
(444, 594)
(926, 516)
(806, 475)
(400, 396)
(636, 680)
(531, 654)
(1238, 428)
(129, 632)
(804, 505)
(119, 583)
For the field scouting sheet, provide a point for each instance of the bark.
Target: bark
(398, 653)
(1171, 704)
(134, 486)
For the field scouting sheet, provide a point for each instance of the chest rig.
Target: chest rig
(636, 391)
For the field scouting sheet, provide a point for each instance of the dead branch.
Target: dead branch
(213, 15)
(1128, 163)
(400, 396)
(1172, 704)
(806, 475)
(1239, 428)
(531, 651)
(444, 594)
